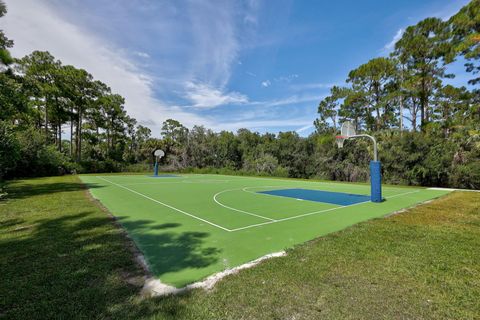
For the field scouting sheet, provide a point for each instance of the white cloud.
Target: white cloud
(391, 45)
(142, 54)
(315, 85)
(251, 74)
(34, 25)
(205, 96)
(266, 83)
(251, 15)
(215, 46)
(289, 78)
(263, 124)
(304, 128)
(295, 99)
(285, 79)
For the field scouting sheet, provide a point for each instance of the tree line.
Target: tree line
(428, 131)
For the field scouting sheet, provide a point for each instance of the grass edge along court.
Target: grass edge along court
(189, 227)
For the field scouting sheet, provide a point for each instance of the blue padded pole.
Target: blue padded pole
(376, 181)
(155, 173)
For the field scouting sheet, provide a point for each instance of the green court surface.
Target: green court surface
(191, 226)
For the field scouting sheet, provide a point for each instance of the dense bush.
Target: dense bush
(9, 149)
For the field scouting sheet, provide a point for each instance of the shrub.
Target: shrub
(466, 176)
(9, 149)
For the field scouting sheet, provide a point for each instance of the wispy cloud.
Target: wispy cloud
(205, 96)
(142, 54)
(304, 128)
(215, 45)
(46, 30)
(316, 85)
(288, 124)
(391, 45)
(285, 79)
(288, 78)
(291, 100)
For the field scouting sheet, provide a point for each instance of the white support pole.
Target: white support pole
(375, 153)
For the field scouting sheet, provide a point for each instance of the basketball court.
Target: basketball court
(191, 226)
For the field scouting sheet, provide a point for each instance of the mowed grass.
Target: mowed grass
(61, 256)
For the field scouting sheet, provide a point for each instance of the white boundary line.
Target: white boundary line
(166, 205)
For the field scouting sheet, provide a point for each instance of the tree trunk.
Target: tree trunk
(378, 119)
(71, 132)
(46, 120)
(423, 104)
(79, 135)
(445, 120)
(401, 114)
(414, 118)
(108, 142)
(60, 136)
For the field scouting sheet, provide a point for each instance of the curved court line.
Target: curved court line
(238, 210)
(166, 205)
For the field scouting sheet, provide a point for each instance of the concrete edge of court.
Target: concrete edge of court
(453, 189)
(153, 287)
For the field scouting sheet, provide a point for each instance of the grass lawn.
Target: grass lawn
(61, 256)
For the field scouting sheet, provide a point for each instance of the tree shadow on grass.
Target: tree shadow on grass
(79, 266)
(6, 224)
(31, 188)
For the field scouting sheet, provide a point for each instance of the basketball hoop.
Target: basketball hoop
(158, 155)
(349, 131)
(340, 140)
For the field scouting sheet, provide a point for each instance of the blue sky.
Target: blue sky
(263, 65)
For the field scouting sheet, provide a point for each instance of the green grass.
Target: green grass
(62, 257)
(192, 226)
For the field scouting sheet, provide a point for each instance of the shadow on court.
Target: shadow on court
(170, 250)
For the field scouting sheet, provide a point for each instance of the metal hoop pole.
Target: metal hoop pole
(375, 152)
